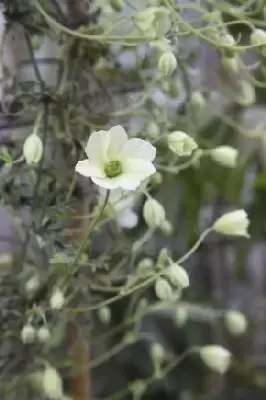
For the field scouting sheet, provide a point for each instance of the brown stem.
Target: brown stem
(78, 343)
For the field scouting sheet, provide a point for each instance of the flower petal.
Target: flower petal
(117, 141)
(97, 146)
(88, 169)
(128, 219)
(107, 183)
(138, 148)
(140, 169)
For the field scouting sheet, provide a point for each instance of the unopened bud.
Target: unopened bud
(28, 334)
(157, 352)
(234, 223)
(258, 37)
(145, 264)
(167, 63)
(236, 322)
(152, 130)
(163, 290)
(153, 213)
(156, 179)
(117, 5)
(178, 276)
(181, 316)
(217, 358)
(167, 228)
(231, 64)
(137, 389)
(43, 334)
(104, 314)
(57, 300)
(247, 94)
(225, 156)
(181, 143)
(227, 40)
(197, 100)
(52, 384)
(32, 285)
(33, 149)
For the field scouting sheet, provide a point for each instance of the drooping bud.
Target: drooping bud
(181, 143)
(28, 334)
(153, 213)
(234, 223)
(43, 334)
(181, 315)
(104, 314)
(33, 149)
(217, 358)
(167, 63)
(235, 322)
(225, 156)
(258, 37)
(52, 384)
(32, 285)
(57, 299)
(117, 5)
(178, 276)
(163, 289)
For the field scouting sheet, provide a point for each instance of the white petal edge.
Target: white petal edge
(88, 169)
(97, 146)
(117, 141)
(141, 169)
(139, 149)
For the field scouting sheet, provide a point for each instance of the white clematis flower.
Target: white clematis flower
(115, 161)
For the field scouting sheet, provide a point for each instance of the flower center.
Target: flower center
(113, 169)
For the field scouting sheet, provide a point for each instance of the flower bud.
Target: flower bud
(157, 352)
(33, 149)
(216, 358)
(234, 223)
(145, 264)
(153, 22)
(117, 5)
(235, 322)
(167, 228)
(156, 179)
(152, 130)
(230, 64)
(181, 144)
(227, 40)
(197, 100)
(57, 300)
(258, 37)
(225, 156)
(104, 314)
(246, 95)
(32, 285)
(181, 316)
(52, 384)
(28, 334)
(161, 45)
(137, 389)
(167, 63)
(163, 289)
(153, 213)
(43, 334)
(178, 276)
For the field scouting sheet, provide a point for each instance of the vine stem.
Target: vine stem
(73, 266)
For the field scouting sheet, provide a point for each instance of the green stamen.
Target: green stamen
(113, 169)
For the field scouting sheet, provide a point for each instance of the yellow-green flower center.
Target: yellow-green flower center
(113, 169)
